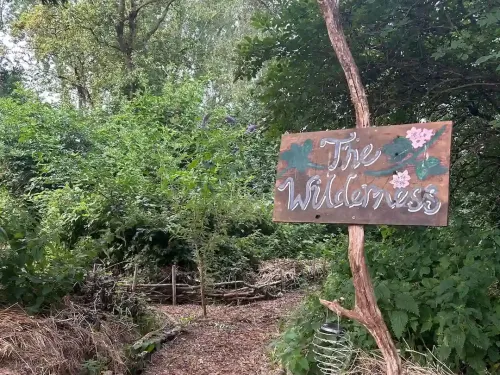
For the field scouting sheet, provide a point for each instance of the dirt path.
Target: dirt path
(231, 341)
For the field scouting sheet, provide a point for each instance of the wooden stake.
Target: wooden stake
(365, 310)
(202, 271)
(282, 281)
(174, 286)
(134, 281)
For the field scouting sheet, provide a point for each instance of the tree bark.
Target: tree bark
(366, 310)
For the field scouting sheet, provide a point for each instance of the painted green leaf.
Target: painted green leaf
(429, 167)
(399, 319)
(298, 157)
(398, 149)
(307, 147)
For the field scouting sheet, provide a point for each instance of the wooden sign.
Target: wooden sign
(387, 175)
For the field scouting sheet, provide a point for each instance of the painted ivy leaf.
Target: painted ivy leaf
(398, 319)
(429, 167)
(298, 157)
(398, 149)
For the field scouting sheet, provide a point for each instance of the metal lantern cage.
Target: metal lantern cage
(332, 348)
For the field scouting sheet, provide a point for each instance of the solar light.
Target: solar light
(332, 348)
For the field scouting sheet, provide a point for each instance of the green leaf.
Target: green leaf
(424, 271)
(477, 363)
(304, 363)
(398, 149)
(462, 289)
(429, 167)
(291, 335)
(445, 285)
(398, 319)
(483, 59)
(405, 301)
(443, 352)
(456, 339)
(426, 326)
(382, 292)
(494, 354)
(46, 290)
(193, 164)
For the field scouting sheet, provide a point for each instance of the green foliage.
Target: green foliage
(93, 367)
(145, 183)
(435, 288)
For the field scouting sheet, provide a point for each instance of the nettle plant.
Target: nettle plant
(437, 289)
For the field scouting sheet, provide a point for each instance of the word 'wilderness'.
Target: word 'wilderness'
(369, 195)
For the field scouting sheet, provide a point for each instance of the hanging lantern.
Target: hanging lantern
(332, 348)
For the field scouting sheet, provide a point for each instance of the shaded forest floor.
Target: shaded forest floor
(231, 340)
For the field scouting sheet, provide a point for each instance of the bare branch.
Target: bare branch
(467, 85)
(145, 4)
(99, 40)
(156, 26)
(341, 311)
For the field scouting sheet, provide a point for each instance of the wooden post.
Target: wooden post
(134, 281)
(174, 285)
(365, 310)
(282, 281)
(202, 271)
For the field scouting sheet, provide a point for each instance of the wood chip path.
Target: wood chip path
(233, 340)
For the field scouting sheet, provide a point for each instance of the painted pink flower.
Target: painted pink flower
(413, 133)
(400, 180)
(418, 137)
(427, 134)
(416, 143)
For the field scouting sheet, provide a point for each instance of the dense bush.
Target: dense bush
(145, 184)
(437, 289)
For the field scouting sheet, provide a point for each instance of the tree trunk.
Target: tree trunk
(365, 310)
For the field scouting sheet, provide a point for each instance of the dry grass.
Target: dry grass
(60, 344)
(373, 364)
(292, 270)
